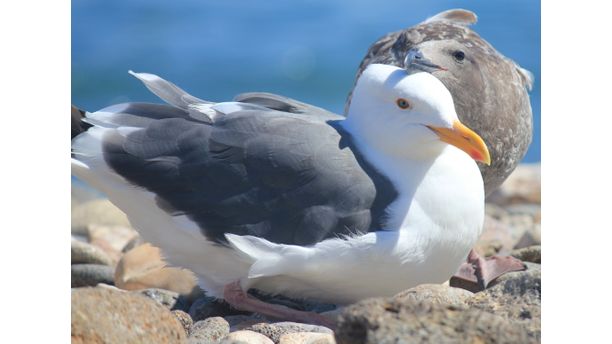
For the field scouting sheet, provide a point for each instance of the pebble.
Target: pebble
(307, 338)
(211, 330)
(105, 316)
(276, 330)
(89, 275)
(435, 293)
(184, 319)
(532, 254)
(246, 337)
(84, 253)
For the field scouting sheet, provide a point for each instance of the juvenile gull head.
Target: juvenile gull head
(488, 89)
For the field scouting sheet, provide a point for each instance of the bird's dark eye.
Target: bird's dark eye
(402, 103)
(459, 55)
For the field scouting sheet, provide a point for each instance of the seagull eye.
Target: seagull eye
(459, 55)
(402, 103)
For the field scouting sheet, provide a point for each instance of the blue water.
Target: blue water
(308, 50)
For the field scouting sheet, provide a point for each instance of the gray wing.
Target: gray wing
(285, 104)
(288, 177)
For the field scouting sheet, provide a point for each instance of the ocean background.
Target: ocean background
(307, 50)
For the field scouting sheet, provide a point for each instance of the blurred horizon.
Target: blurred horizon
(309, 50)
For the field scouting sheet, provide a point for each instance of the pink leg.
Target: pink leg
(237, 298)
(476, 274)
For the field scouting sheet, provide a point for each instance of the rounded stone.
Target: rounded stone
(532, 254)
(89, 275)
(276, 330)
(184, 319)
(435, 293)
(246, 337)
(210, 330)
(84, 253)
(101, 315)
(307, 338)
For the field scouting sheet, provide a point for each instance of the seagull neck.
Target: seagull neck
(405, 168)
(379, 143)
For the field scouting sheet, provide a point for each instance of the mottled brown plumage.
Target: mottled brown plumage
(489, 90)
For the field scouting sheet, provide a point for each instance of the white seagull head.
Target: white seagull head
(410, 115)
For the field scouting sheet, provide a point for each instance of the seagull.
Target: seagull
(268, 193)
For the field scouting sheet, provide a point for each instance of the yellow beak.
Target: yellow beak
(465, 139)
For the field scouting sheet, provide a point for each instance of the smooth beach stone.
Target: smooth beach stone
(89, 275)
(246, 337)
(100, 315)
(307, 338)
(211, 330)
(435, 293)
(184, 319)
(84, 253)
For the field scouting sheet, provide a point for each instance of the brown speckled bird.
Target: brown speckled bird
(489, 89)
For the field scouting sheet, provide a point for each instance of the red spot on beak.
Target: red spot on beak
(476, 155)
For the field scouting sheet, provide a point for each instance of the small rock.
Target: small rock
(210, 330)
(246, 337)
(184, 319)
(97, 211)
(105, 316)
(307, 338)
(435, 293)
(89, 275)
(276, 330)
(268, 330)
(167, 298)
(381, 320)
(515, 296)
(300, 327)
(206, 307)
(529, 254)
(83, 253)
